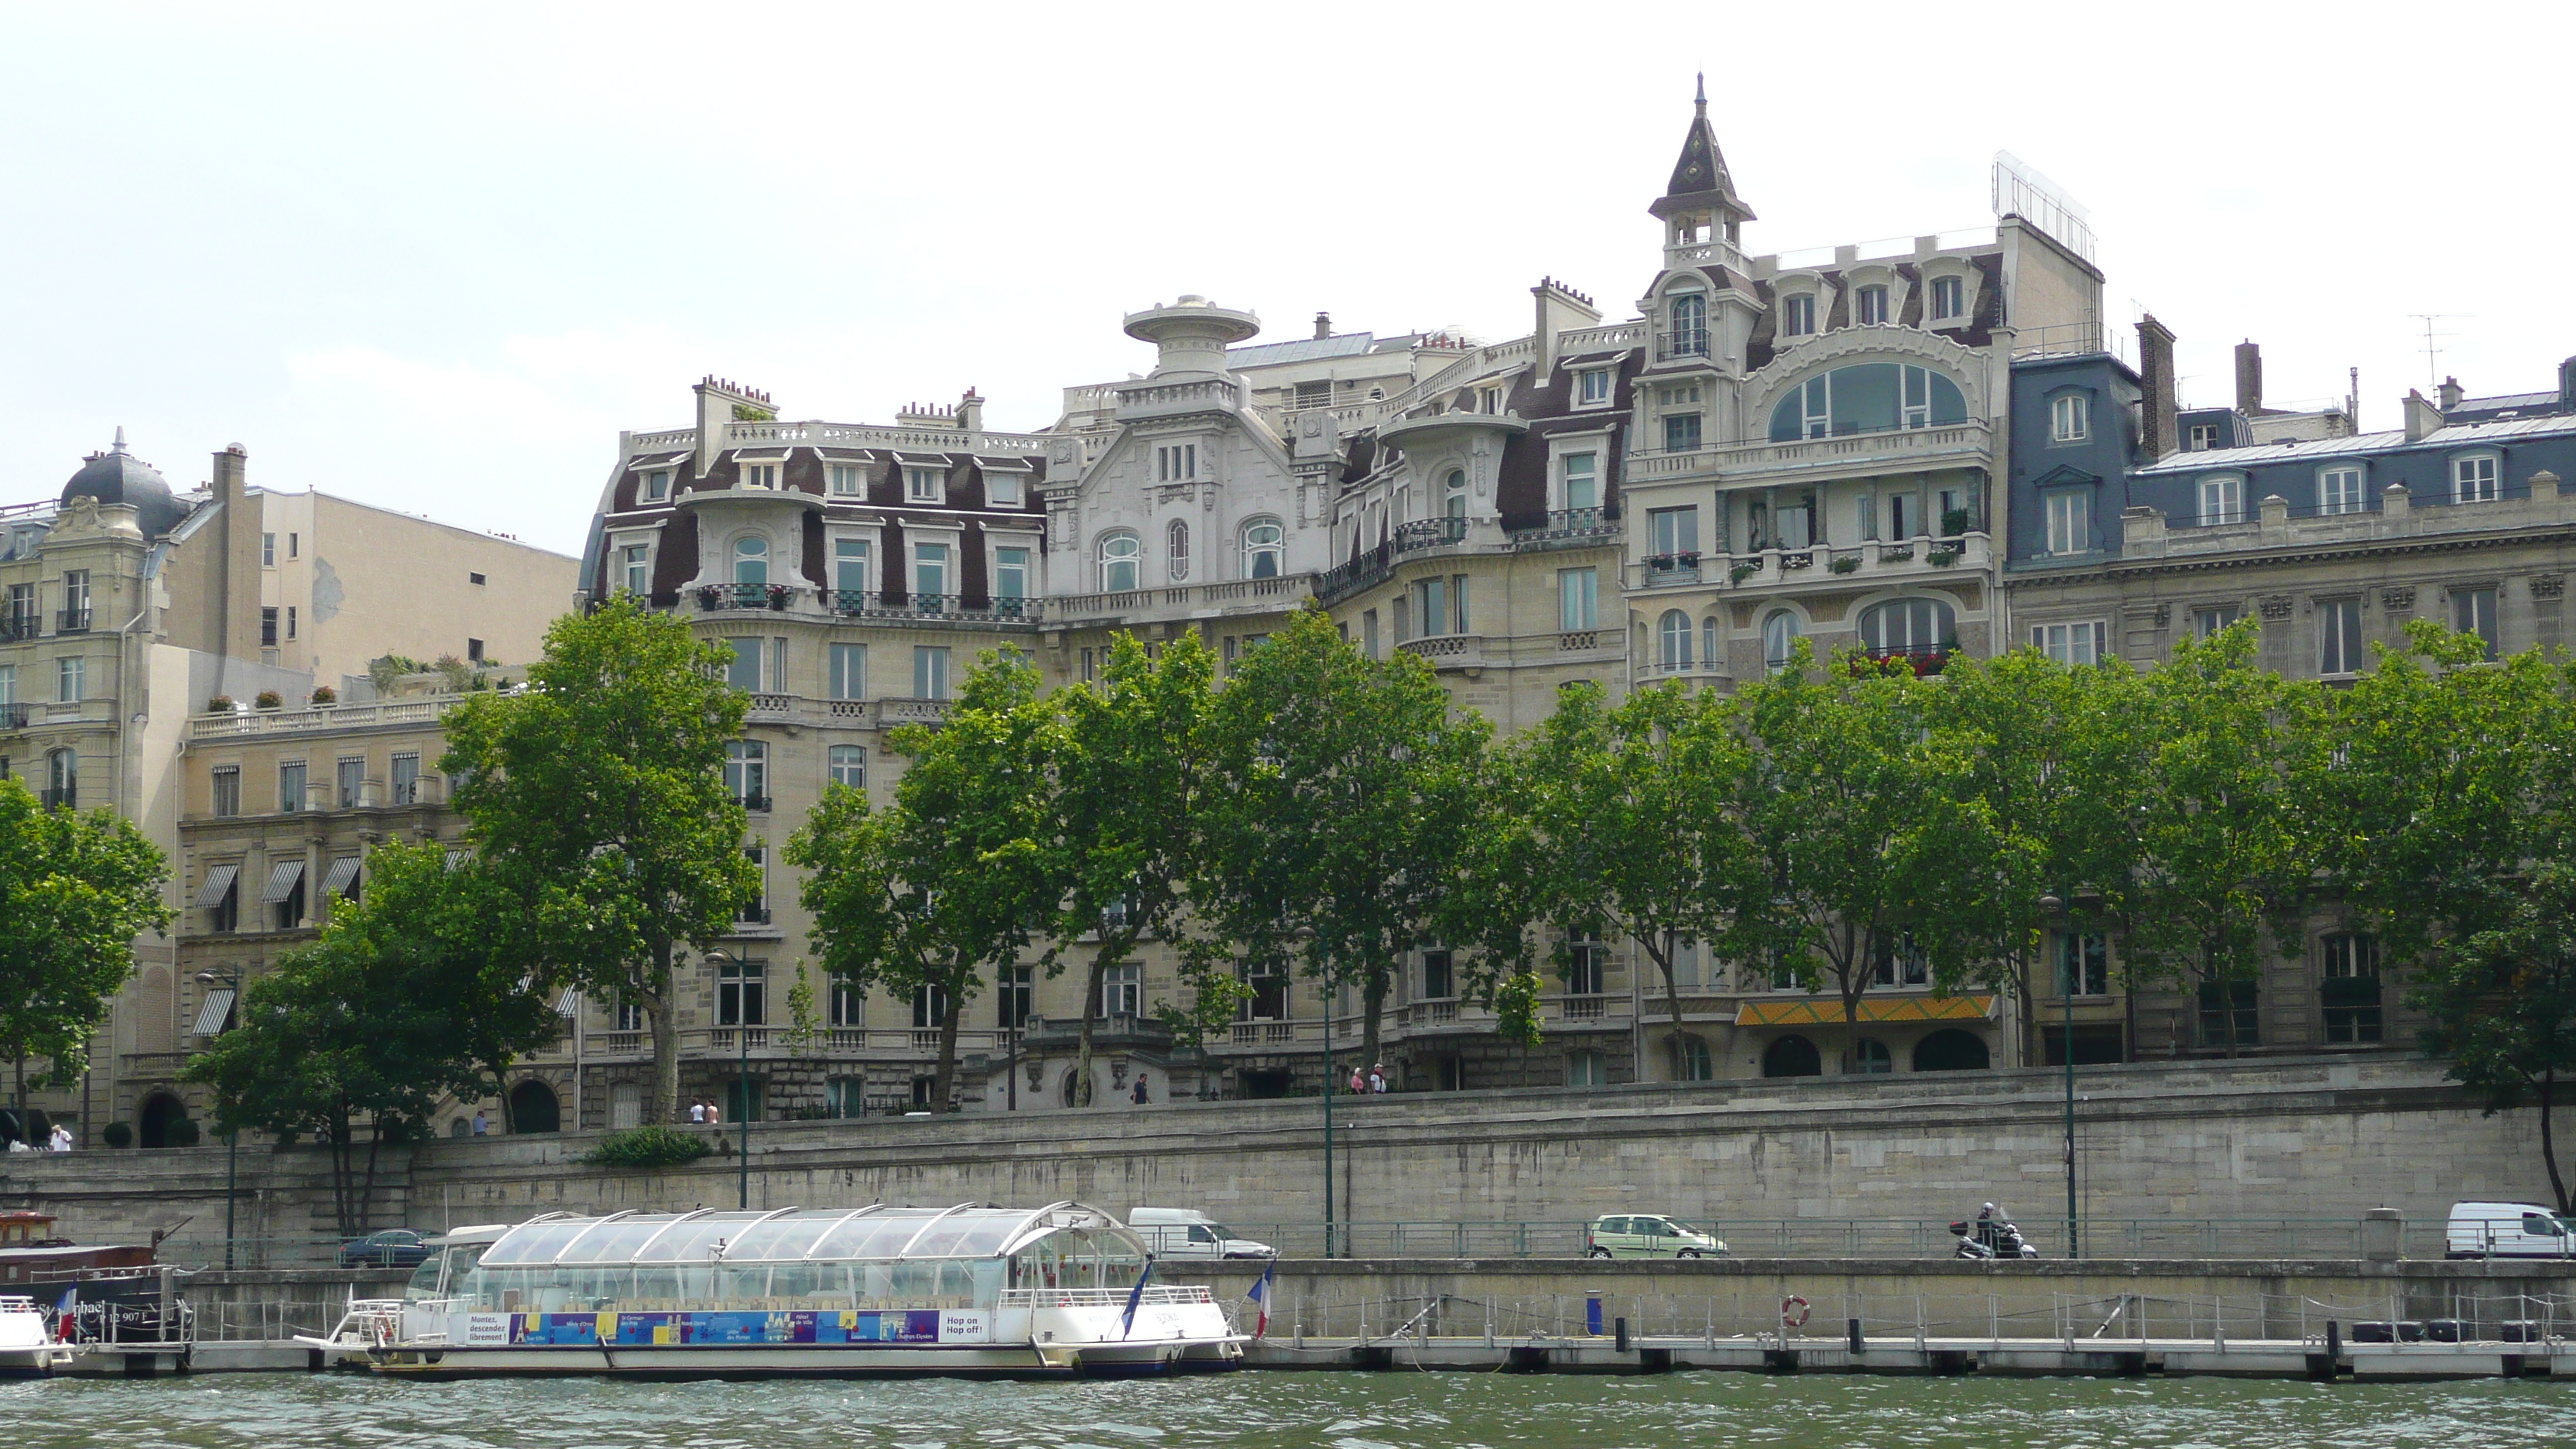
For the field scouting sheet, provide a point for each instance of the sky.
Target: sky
(434, 257)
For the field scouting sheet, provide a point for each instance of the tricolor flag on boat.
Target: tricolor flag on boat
(1262, 1288)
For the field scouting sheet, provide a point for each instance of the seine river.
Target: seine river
(1333, 1410)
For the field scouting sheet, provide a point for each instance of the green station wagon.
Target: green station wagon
(1649, 1237)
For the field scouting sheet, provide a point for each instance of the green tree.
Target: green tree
(1635, 815)
(2221, 856)
(337, 1039)
(75, 890)
(2442, 808)
(955, 878)
(1838, 807)
(1345, 801)
(452, 932)
(2032, 763)
(1134, 771)
(597, 802)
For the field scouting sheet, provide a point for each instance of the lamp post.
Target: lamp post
(742, 1075)
(2086, 902)
(232, 1138)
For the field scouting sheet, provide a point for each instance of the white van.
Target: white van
(2509, 1230)
(1189, 1233)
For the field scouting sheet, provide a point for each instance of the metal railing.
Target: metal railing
(712, 597)
(881, 604)
(1424, 533)
(13, 716)
(1568, 523)
(72, 621)
(17, 628)
(2157, 1239)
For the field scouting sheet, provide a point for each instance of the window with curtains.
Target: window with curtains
(1780, 635)
(930, 671)
(1265, 546)
(2222, 499)
(2070, 521)
(2339, 490)
(638, 569)
(2086, 643)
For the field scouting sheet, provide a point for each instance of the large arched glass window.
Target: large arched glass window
(1119, 554)
(1689, 334)
(751, 560)
(1176, 550)
(1912, 627)
(1870, 397)
(1780, 633)
(1453, 493)
(1673, 640)
(1264, 541)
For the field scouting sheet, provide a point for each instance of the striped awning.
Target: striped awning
(342, 872)
(455, 858)
(283, 878)
(218, 884)
(568, 1005)
(1828, 1011)
(210, 1016)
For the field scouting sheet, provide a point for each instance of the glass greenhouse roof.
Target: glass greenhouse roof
(877, 1233)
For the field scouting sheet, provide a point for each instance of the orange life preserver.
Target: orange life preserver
(1793, 1312)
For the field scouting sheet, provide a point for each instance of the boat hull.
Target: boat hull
(753, 1361)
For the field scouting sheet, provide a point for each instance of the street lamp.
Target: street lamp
(2087, 901)
(232, 1138)
(742, 1040)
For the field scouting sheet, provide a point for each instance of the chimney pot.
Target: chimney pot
(1323, 325)
(2451, 393)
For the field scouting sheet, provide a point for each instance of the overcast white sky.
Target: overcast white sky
(436, 256)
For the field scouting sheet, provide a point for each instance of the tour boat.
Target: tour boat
(28, 1347)
(969, 1290)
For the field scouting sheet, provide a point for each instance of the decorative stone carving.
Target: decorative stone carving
(2164, 616)
(2277, 606)
(2397, 600)
(1118, 1072)
(2548, 586)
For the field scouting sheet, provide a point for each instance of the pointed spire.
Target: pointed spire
(120, 438)
(1699, 175)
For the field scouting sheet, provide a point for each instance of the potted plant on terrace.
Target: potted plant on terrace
(221, 704)
(325, 694)
(1954, 521)
(267, 699)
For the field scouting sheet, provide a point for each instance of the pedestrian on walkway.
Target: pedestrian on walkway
(61, 1140)
(1359, 1081)
(697, 1110)
(1377, 1079)
(1141, 1099)
(481, 1127)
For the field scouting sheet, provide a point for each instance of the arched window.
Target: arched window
(1453, 493)
(1780, 633)
(1264, 541)
(1792, 1056)
(62, 779)
(534, 1107)
(1869, 397)
(1870, 1056)
(1689, 334)
(1119, 555)
(751, 560)
(1673, 640)
(1176, 550)
(1951, 1050)
(1696, 1066)
(1914, 628)
(1708, 652)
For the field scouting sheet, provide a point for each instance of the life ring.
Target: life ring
(1793, 1312)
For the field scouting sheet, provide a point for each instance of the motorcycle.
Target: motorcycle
(1992, 1238)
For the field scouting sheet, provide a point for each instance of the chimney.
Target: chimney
(236, 558)
(2422, 418)
(970, 413)
(2567, 386)
(2249, 378)
(1560, 309)
(1323, 325)
(2159, 430)
(2451, 393)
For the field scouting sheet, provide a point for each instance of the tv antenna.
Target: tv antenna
(2432, 369)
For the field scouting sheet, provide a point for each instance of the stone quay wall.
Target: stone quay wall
(2322, 1138)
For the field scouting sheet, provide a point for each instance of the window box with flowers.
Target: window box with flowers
(1897, 555)
(1742, 571)
(1942, 558)
(1845, 563)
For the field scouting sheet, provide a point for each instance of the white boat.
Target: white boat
(969, 1290)
(28, 1347)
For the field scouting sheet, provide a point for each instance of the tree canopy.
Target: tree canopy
(76, 888)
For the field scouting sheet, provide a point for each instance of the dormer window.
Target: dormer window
(1592, 386)
(1869, 306)
(637, 561)
(1798, 315)
(1176, 462)
(657, 486)
(1001, 489)
(2473, 479)
(925, 485)
(760, 475)
(846, 480)
(2222, 499)
(2070, 418)
(1949, 299)
(2339, 491)
(2204, 436)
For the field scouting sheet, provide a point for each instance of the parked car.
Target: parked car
(1189, 1233)
(392, 1248)
(2508, 1230)
(1638, 1236)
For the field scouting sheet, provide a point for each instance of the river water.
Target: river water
(1334, 1410)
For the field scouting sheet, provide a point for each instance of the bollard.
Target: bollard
(1592, 1311)
(1621, 1326)
(1856, 1345)
(2334, 1339)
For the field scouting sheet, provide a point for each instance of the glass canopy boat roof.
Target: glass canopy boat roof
(800, 1235)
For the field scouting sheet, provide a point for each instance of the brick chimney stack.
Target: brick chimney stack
(2249, 378)
(2159, 428)
(1323, 325)
(2451, 393)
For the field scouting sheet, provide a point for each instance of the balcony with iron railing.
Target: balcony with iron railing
(19, 628)
(14, 716)
(1566, 527)
(1870, 560)
(1684, 345)
(876, 604)
(72, 621)
(713, 598)
(1850, 454)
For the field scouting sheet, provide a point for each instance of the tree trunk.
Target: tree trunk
(367, 1194)
(946, 1077)
(2020, 970)
(343, 1168)
(501, 1091)
(1373, 999)
(666, 1040)
(1672, 1009)
(2549, 1144)
(23, 1129)
(1090, 1016)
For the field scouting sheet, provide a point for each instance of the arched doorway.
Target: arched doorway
(1951, 1050)
(533, 1108)
(155, 1128)
(1792, 1056)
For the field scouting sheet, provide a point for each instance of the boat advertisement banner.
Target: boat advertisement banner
(646, 1330)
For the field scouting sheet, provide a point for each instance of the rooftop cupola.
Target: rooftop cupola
(1191, 335)
(1699, 204)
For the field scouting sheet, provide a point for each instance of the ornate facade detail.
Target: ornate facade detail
(2164, 616)
(2276, 606)
(2548, 586)
(2398, 600)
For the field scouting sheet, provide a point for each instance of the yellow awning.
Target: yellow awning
(1828, 1010)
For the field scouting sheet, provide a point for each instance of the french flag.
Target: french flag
(1262, 1288)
